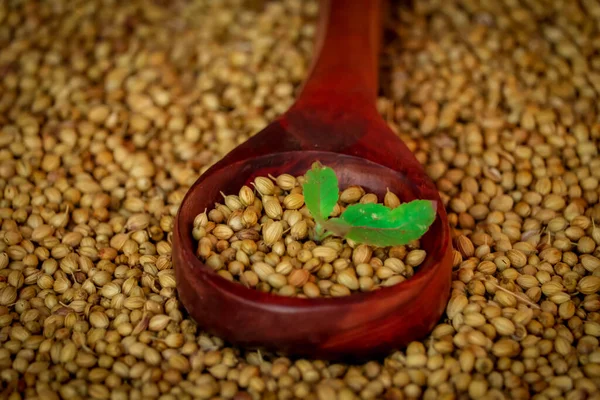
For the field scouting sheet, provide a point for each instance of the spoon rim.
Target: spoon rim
(196, 269)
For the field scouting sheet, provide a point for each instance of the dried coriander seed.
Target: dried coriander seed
(94, 138)
(281, 221)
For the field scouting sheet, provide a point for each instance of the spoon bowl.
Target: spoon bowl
(333, 121)
(361, 325)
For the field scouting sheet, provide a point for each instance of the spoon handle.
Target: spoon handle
(345, 66)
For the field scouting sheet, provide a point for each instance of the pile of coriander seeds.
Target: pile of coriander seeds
(267, 242)
(110, 110)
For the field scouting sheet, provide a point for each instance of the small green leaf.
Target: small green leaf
(320, 191)
(377, 225)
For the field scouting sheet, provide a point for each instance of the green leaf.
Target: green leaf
(377, 225)
(320, 191)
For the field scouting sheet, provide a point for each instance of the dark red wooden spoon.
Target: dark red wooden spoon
(334, 120)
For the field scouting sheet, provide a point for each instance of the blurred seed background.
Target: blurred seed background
(110, 110)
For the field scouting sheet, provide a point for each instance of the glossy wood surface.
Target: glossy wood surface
(334, 120)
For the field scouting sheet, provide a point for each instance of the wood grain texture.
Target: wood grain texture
(334, 120)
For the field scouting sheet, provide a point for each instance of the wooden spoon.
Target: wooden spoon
(334, 121)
